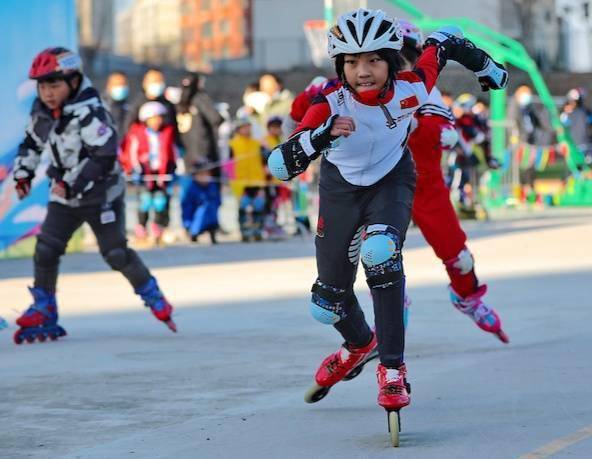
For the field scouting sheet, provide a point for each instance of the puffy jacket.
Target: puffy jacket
(81, 143)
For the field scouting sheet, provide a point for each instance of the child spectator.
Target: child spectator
(249, 180)
(276, 192)
(200, 203)
(149, 156)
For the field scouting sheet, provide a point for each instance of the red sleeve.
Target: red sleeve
(316, 115)
(427, 68)
(125, 153)
(299, 106)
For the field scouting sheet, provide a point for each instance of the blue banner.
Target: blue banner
(27, 28)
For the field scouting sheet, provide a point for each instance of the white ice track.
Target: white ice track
(231, 382)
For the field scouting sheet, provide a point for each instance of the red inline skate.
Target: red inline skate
(343, 365)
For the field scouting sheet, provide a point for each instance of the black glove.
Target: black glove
(452, 46)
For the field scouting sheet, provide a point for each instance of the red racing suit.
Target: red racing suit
(432, 209)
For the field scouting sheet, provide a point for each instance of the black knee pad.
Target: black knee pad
(117, 258)
(48, 251)
(381, 256)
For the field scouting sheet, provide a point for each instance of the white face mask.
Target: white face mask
(524, 99)
(155, 90)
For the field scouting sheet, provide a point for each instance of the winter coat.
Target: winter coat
(199, 132)
(81, 144)
(135, 154)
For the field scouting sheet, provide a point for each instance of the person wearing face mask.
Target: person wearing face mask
(116, 99)
(153, 86)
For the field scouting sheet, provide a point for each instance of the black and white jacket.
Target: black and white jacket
(82, 148)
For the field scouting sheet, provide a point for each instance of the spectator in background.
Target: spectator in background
(200, 203)
(116, 99)
(280, 99)
(249, 180)
(527, 127)
(576, 118)
(198, 122)
(149, 156)
(154, 85)
(276, 192)
(254, 103)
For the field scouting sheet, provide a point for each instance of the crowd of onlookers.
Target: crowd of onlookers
(176, 137)
(529, 136)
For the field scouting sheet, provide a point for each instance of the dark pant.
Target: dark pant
(157, 200)
(108, 225)
(345, 212)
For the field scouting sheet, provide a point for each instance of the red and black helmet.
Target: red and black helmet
(55, 63)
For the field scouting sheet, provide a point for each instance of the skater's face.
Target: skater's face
(365, 71)
(155, 123)
(53, 93)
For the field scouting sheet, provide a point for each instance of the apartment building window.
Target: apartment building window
(224, 27)
(586, 7)
(206, 4)
(206, 29)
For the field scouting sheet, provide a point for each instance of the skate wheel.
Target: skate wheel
(172, 325)
(30, 339)
(53, 336)
(503, 337)
(316, 393)
(42, 337)
(408, 387)
(17, 338)
(355, 372)
(394, 425)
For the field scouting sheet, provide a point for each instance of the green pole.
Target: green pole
(328, 10)
(498, 123)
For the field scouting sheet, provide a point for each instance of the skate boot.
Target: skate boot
(484, 316)
(345, 364)
(155, 300)
(40, 321)
(393, 394)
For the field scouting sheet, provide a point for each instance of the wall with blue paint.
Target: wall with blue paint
(27, 28)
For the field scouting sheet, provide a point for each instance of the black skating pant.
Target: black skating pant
(108, 225)
(345, 211)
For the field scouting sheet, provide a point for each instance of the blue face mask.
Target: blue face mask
(155, 90)
(119, 93)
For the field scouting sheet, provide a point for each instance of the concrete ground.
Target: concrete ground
(231, 382)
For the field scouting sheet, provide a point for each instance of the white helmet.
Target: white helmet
(150, 109)
(363, 31)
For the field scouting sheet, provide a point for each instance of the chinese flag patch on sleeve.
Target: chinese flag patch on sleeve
(409, 102)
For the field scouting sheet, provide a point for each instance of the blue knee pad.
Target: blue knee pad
(159, 201)
(327, 302)
(145, 201)
(381, 256)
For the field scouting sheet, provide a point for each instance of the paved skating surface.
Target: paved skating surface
(231, 382)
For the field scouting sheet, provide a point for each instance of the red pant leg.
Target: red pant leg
(432, 209)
